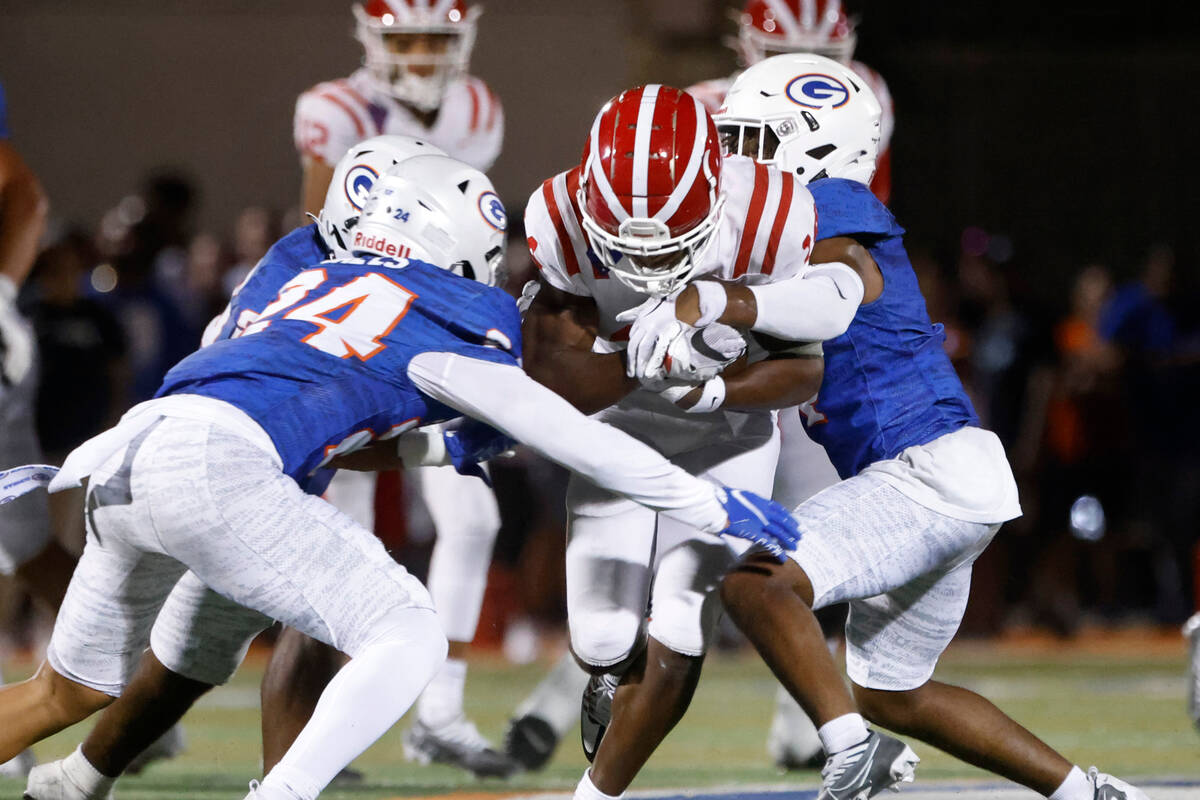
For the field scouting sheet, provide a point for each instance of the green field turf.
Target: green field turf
(1120, 710)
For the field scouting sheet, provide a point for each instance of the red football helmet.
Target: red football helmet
(649, 188)
(416, 48)
(770, 27)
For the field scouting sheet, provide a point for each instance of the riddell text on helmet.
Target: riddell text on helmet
(379, 244)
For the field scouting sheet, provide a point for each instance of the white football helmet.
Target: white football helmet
(438, 210)
(352, 180)
(414, 49)
(806, 114)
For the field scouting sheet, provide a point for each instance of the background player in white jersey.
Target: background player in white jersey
(651, 207)
(821, 27)
(28, 549)
(925, 487)
(420, 344)
(414, 82)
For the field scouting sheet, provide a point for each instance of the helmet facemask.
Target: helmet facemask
(415, 63)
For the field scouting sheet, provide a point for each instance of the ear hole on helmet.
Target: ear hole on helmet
(811, 120)
(821, 151)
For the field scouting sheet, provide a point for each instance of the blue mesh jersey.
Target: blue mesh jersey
(289, 256)
(3, 114)
(888, 382)
(321, 360)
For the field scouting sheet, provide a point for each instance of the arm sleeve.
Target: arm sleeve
(817, 305)
(324, 129)
(509, 400)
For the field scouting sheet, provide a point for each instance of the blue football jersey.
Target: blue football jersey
(322, 365)
(3, 114)
(289, 256)
(888, 384)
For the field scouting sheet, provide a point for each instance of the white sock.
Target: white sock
(362, 702)
(556, 698)
(586, 790)
(841, 733)
(1075, 787)
(84, 776)
(442, 700)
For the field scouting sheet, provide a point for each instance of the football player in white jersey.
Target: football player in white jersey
(768, 27)
(652, 206)
(821, 27)
(414, 82)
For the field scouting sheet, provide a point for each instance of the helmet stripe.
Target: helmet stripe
(593, 172)
(695, 161)
(786, 18)
(641, 149)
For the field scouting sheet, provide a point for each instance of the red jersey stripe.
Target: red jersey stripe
(345, 86)
(753, 216)
(342, 104)
(564, 241)
(493, 107)
(781, 215)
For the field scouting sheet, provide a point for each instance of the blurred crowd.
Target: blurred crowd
(1087, 389)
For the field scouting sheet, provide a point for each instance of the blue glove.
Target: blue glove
(473, 442)
(762, 521)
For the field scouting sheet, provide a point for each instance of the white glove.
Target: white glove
(16, 337)
(654, 326)
(698, 354)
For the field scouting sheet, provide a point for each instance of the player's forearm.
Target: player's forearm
(775, 383)
(811, 308)
(509, 400)
(23, 210)
(588, 381)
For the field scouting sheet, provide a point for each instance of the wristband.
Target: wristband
(712, 301)
(712, 398)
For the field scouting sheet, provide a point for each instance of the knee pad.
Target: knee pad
(602, 638)
(685, 605)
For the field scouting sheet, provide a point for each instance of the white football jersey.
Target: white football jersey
(711, 95)
(334, 116)
(766, 232)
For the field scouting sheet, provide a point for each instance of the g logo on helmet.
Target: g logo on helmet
(359, 180)
(493, 211)
(817, 90)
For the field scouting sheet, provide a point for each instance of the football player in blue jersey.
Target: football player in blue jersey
(924, 488)
(203, 524)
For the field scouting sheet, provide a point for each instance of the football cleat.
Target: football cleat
(166, 747)
(18, 767)
(50, 782)
(1110, 788)
(595, 711)
(876, 763)
(260, 792)
(530, 741)
(458, 744)
(1192, 631)
(792, 741)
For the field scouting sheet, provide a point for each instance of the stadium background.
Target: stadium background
(1040, 154)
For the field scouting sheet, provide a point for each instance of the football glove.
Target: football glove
(762, 521)
(473, 442)
(698, 354)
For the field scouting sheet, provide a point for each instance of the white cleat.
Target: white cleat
(18, 767)
(260, 792)
(1110, 788)
(166, 747)
(1191, 630)
(50, 782)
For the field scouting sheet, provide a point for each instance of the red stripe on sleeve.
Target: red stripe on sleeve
(750, 230)
(571, 262)
(493, 107)
(342, 104)
(345, 86)
(781, 215)
(474, 106)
